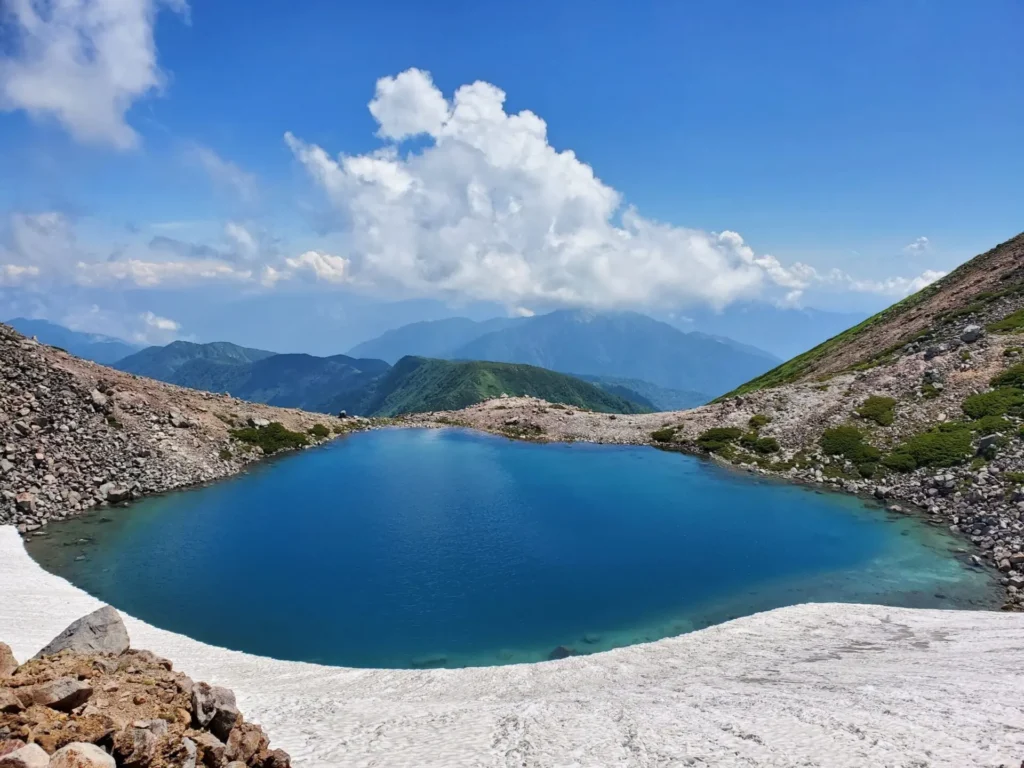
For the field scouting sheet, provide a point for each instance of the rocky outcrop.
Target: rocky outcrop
(97, 704)
(75, 435)
(100, 632)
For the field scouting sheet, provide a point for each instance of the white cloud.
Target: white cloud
(83, 62)
(150, 274)
(919, 246)
(16, 274)
(489, 210)
(323, 266)
(140, 328)
(895, 286)
(224, 173)
(242, 239)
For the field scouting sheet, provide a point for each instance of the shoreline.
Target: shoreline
(768, 689)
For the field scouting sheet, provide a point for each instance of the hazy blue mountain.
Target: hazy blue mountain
(645, 393)
(622, 345)
(163, 362)
(429, 338)
(782, 331)
(90, 346)
(418, 384)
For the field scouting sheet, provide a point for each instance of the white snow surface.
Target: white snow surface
(826, 685)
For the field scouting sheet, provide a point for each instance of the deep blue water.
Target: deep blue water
(401, 548)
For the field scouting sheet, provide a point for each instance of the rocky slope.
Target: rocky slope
(921, 405)
(74, 435)
(88, 701)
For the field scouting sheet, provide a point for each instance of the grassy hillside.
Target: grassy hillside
(163, 362)
(418, 384)
(995, 275)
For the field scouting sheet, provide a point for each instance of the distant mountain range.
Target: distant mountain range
(782, 331)
(90, 346)
(365, 386)
(609, 345)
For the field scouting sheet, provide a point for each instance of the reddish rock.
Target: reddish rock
(7, 661)
(245, 742)
(29, 756)
(81, 755)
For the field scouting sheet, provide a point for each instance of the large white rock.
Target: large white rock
(29, 756)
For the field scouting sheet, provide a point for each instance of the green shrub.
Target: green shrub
(225, 454)
(965, 355)
(319, 431)
(901, 462)
(929, 390)
(766, 445)
(848, 442)
(867, 469)
(1009, 324)
(272, 438)
(717, 438)
(759, 420)
(943, 447)
(664, 435)
(1014, 477)
(878, 409)
(988, 425)
(998, 402)
(1011, 377)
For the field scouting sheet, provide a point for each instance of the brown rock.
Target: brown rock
(7, 661)
(276, 758)
(9, 703)
(245, 742)
(29, 756)
(135, 747)
(64, 693)
(211, 749)
(81, 755)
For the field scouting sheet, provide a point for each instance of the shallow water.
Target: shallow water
(404, 548)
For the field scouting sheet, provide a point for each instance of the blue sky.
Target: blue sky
(833, 155)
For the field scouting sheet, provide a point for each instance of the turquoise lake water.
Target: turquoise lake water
(407, 548)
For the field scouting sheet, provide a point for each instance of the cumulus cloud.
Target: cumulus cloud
(322, 266)
(16, 274)
(82, 62)
(224, 173)
(150, 274)
(919, 246)
(483, 207)
(137, 327)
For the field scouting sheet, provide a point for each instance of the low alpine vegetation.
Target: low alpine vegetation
(663, 435)
(271, 438)
(715, 439)
(848, 442)
(1012, 323)
(943, 446)
(998, 402)
(878, 409)
(319, 431)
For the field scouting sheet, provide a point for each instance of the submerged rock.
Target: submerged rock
(102, 631)
(562, 652)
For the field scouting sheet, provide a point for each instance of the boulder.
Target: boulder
(214, 707)
(189, 749)
(971, 334)
(179, 421)
(135, 747)
(933, 352)
(29, 756)
(7, 661)
(245, 741)
(9, 702)
(277, 758)
(64, 693)
(99, 401)
(81, 755)
(102, 631)
(255, 422)
(9, 745)
(211, 749)
(26, 502)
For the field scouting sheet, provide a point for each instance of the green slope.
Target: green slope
(419, 384)
(989, 277)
